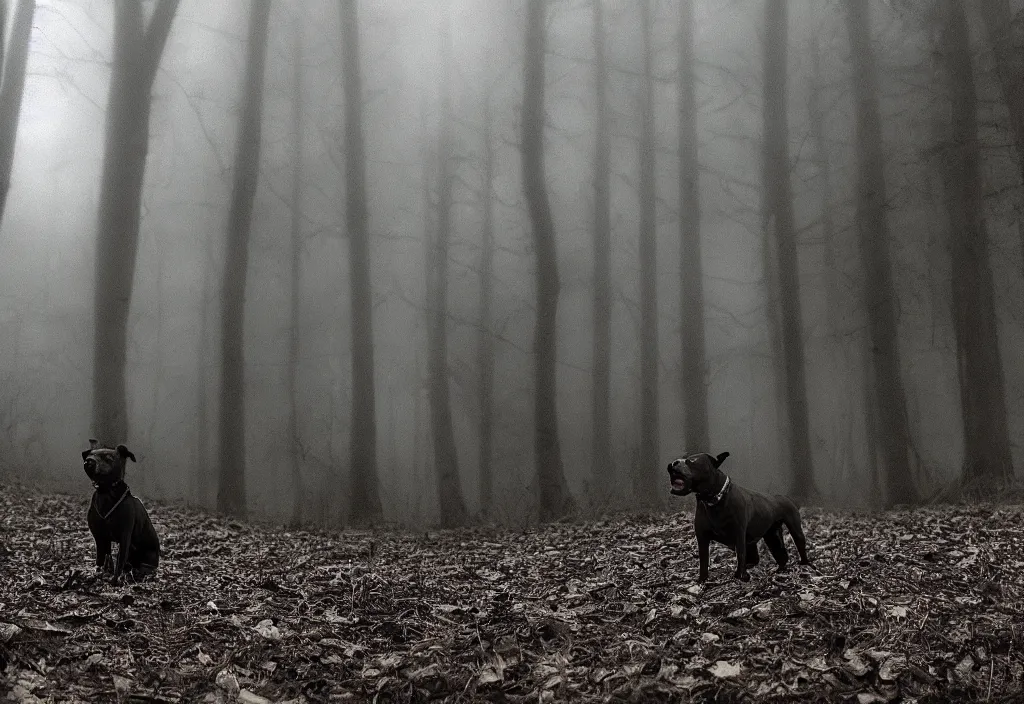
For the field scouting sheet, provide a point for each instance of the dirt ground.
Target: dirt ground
(924, 605)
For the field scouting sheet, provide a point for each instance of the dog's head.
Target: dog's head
(104, 465)
(696, 473)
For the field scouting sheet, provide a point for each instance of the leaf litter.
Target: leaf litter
(922, 605)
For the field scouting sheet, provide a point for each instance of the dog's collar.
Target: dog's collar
(127, 492)
(717, 498)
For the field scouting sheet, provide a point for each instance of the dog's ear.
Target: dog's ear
(719, 460)
(93, 443)
(125, 452)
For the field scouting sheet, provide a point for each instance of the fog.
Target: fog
(173, 362)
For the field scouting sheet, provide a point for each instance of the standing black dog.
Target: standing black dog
(115, 515)
(733, 516)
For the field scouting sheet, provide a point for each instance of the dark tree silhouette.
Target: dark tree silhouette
(889, 398)
(1009, 55)
(601, 451)
(780, 230)
(999, 25)
(231, 497)
(295, 279)
(694, 383)
(646, 478)
(446, 458)
(12, 87)
(865, 391)
(554, 498)
(365, 499)
(485, 335)
(137, 51)
(987, 462)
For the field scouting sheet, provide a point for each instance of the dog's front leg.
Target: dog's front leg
(122, 553)
(741, 553)
(102, 552)
(704, 556)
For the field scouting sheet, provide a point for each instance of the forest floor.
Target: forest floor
(924, 605)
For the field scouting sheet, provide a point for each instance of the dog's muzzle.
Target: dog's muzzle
(680, 482)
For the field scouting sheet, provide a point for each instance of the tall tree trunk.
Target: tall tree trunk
(823, 177)
(601, 452)
(485, 336)
(876, 499)
(231, 487)
(203, 472)
(779, 220)
(11, 90)
(879, 293)
(446, 458)
(650, 450)
(137, 52)
(554, 498)
(365, 504)
(865, 390)
(694, 383)
(987, 462)
(1005, 37)
(999, 26)
(3, 34)
(295, 312)
(423, 447)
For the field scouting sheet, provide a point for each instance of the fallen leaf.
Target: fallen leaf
(724, 669)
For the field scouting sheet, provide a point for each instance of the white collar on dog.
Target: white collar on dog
(717, 498)
(117, 503)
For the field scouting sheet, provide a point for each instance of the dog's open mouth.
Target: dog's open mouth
(679, 486)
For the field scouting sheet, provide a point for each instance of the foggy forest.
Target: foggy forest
(495, 263)
(408, 274)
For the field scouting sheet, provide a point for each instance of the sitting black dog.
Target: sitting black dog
(115, 515)
(733, 516)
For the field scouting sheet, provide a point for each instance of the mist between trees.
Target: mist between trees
(431, 263)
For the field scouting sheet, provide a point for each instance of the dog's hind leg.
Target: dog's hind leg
(792, 522)
(753, 557)
(773, 539)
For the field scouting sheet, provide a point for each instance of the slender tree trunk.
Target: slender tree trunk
(554, 497)
(203, 471)
(366, 506)
(770, 264)
(11, 90)
(694, 382)
(823, 177)
(650, 445)
(295, 313)
(158, 373)
(987, 462)
(876, 498)
(446, 458)
(137, 52)
(879, 292)
(231, 487)
(423, 451)
(485, 336)
(601, 453)
(779, 219)
(3, 35)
